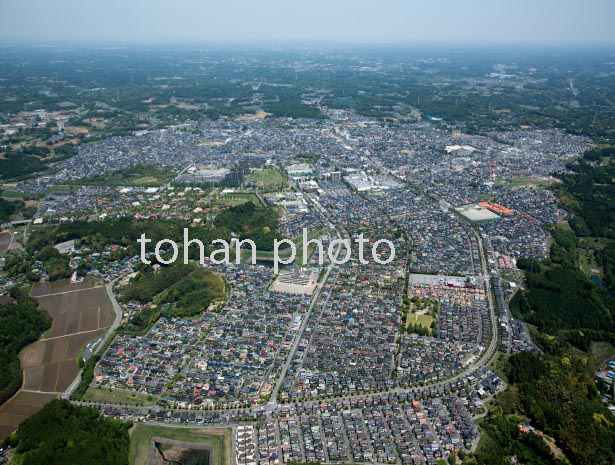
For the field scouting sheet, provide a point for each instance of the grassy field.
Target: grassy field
(422, 313)
(598, 353)
(267, 178)
(530, 181)
(115, 397)
(238, 198)
(11, 194)
(422, 320)
(587, 259)
(141, 435)
(284, 254)
(60, 188)
(145, 180)
(229, 201)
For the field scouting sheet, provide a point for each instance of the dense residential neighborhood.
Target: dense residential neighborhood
(397, 344)
(284, 258)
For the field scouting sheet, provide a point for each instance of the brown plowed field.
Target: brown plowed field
(81, 313)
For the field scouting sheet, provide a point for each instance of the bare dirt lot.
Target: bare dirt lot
(259, 115)
(5, 240)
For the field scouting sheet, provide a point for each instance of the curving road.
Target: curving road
(108, 335)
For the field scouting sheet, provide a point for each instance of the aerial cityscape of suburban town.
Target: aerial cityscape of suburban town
(484, 274)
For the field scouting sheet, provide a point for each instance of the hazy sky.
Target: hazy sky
(481, 21)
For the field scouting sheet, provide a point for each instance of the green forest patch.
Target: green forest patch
(175, 291)
(62, 433)
(251, 222)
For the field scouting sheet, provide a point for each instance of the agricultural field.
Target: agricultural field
(20, 407)
(81, 313)
(59, 287)
(141, 438)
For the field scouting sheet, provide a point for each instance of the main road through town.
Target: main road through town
(485, 358)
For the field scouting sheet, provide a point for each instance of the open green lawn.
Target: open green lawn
(587, 259)
(245, 195)
(10, 194)
(564, 226)
(422, 320)
(599, 352)
(230, 201)
(104, 395)
(238, 198)
(219, 438)
(60, 188)
(267, 178)
(529, 180)
(145, 180)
